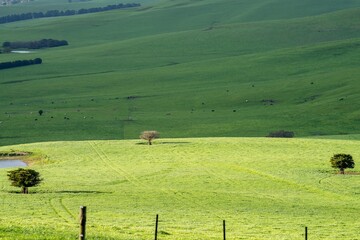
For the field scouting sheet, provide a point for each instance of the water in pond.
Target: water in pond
(22, 51)
(12, 163)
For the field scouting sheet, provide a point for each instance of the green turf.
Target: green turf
(263, 188)
(190, 68)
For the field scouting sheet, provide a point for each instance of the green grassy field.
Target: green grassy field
(264, 188)
(190, 68)
(202, 73)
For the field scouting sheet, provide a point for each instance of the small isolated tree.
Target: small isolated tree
(24, 178)
(41, 112)
(149, 136)
(342, 161)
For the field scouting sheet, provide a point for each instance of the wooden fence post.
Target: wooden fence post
(156, 226)
(306, 233)
(224, 229)
(82, 222)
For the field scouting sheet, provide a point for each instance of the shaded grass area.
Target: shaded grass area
(231, 98)
(218, 72)
(264, 188)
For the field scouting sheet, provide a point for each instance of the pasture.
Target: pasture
(207, 75)
(212, 68)
(264, 188)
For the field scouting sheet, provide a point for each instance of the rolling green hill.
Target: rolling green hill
(201, 72)
(264, 189)
(186, 69)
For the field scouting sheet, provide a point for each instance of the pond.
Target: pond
(22, 51)
(12, 163)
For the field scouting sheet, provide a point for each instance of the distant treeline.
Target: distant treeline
(20, 63)
(57, 13)
(43, 43)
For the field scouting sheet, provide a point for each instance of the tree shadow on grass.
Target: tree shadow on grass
(18, 192)
(158, 143)
(59, 192)
(81, 191)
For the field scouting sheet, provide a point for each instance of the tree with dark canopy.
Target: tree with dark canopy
(24, 178)
(342, 161)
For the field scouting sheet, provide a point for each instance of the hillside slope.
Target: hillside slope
(186, 69)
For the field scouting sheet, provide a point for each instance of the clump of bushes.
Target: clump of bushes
(58, 13)
(20, 63)
(281, 134)
(43, 43)
(13, 153)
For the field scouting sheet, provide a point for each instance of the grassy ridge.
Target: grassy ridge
(188, 76)
(193, 184)
(62, 5)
